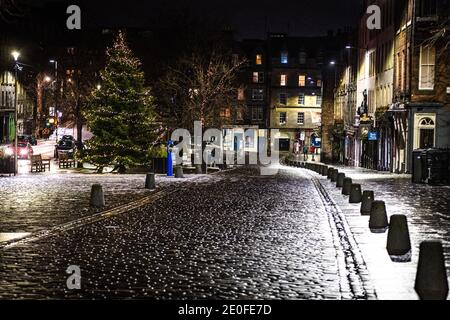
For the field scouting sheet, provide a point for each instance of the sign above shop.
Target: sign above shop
(372, 136)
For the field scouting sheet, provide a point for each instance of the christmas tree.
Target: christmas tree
(121, 113)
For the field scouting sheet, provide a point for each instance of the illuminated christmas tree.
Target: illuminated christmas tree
(121, 114)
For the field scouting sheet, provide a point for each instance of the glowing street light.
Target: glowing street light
(47, 79)
(16, 55)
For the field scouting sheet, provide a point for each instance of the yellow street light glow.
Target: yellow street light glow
(16, 55)
(51, 121)
(47, 79)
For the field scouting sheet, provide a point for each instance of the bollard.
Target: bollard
(378, 222)
(150, 181)
(330, 172)
(355, 193)
(398, 241)
(97, 197)
(431, 278)
(179, 172)
(347, 187)
(340, 180)
(367, 199)
(198, 169)
(334, 175)
(324, 171)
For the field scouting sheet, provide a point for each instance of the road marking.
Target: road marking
(10, 236)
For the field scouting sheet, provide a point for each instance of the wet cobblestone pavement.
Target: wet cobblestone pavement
(30, 203)
(238, 236)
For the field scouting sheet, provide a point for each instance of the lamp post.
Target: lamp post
(55, 93)
(16, 56)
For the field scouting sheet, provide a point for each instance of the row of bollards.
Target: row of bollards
(431, 278)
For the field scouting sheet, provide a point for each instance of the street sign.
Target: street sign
(373, 136)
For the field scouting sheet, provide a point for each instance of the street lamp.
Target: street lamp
(16, 56)
(56, 95)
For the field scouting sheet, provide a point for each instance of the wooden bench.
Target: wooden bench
(64, 161)
(38, 164)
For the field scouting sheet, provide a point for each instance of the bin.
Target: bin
(420, 169)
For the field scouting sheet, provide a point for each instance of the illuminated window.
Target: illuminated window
(283, 117)
(301, 80)
(319, 83)
(241, 95)
(283, 80)
(259, 59)
(427, 68)
(284, 57)
(225, 113)
(258, 77)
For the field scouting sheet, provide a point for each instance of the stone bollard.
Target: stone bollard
(355, 193)
(347, 187)
(367, 199)
(179, 172)
(398, 241)
(431, 278)
(340, 180)
(334, 175)
(378, 222)
(324, 171)
(198, 169)
(150, 181)
(330, 172)
(97, 197)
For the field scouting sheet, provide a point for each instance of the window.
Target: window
(283, 80)
(301, 118)
(302, 57)
(301, 80)
(301, 99)
(225, 113)
(372, 64)
(283, 98)
(259, 59)
(258, 94)
(427, 68)
(258, 77)
(257, 114)
(319, 100)
(284, 57)
(241, 95)
(319, 83)
(283, 118)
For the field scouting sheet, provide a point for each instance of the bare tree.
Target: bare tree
(440, 36)
(200, 88)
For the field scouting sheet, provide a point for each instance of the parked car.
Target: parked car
(67, 137)
(66, 146)
(27, 138)
(24, 150)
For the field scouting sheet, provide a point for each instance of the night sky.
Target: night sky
(247, 17)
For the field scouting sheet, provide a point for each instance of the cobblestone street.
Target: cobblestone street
(224, 238)
(233, 235)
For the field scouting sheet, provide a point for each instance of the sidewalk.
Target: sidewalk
(427, 210)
